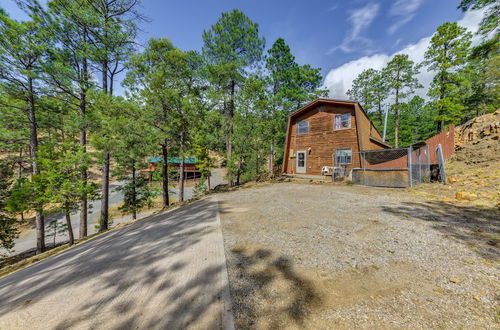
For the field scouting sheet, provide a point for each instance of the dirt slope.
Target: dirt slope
(475, 167)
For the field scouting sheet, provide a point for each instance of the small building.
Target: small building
(191, 171)
(329, 133)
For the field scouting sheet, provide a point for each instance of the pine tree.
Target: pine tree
(231, 47)
(69, 66)
(370, 89)
(289, 87)
(113, 35)
(62, 165)
(447, 55)
(23, 47)
(399, 75)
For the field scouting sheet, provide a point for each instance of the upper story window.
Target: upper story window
(343, 156)
(343, 121)
(303, 127)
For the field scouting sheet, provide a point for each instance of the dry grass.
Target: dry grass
(157, 205)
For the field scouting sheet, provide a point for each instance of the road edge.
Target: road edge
(227, 311)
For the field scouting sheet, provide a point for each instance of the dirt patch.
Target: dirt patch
(304, 256)
(475, 166)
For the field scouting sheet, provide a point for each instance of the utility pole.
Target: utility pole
(385, 121)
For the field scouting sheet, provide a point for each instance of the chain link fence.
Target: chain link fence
(399, 167)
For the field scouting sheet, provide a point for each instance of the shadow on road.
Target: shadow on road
(477, 227)
(122, 275)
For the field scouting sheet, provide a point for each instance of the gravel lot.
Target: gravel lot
(334, 256)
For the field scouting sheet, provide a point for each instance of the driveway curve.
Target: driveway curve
(165, 272)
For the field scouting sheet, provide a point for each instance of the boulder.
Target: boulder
(463, 195)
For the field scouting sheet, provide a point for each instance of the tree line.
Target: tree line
(65, 134)
(465, 82)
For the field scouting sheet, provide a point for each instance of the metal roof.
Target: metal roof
(172, 160)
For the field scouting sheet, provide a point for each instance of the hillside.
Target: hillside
(475, 166)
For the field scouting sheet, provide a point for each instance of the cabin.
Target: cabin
(328, 134)
(191, 171)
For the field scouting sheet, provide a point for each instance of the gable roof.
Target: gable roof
(321, 100)
(318, 101)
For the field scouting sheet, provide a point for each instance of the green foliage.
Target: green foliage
(61, 166)
(447, 55)
(416, 122)
(137, 194)
(490, 20)
(232, 45)
(8, 230)
(370, 89)
(400, 76)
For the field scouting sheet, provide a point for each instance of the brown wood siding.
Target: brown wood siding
(374, 145)
(322, 140)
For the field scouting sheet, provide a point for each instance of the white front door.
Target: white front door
(301, 162)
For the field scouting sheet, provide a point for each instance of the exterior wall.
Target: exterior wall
(447, 141)
(322, 140)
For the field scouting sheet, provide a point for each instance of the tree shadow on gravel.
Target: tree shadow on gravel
(477, 227)
(126, 275)
(268, 292)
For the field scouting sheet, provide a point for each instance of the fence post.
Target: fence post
(428, 164)
(410, 180)
(363, 165)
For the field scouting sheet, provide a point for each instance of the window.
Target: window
(303, 127)
(343, 156)
(301, 159)
(343, 121)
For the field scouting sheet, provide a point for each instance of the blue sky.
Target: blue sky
(325, 34)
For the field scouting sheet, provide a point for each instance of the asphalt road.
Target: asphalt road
(27, 241)
(165, 272)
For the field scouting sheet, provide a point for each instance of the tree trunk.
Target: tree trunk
(20, 164)
(103, 224)
(83, 144)
(271, 157)
(164, 167)
(134, 193)
(181, 180)
(239, 171)
(104, 70)
(230, 114)
(68, 224)
(257, 166)
(39, 220)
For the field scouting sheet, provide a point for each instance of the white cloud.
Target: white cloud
(339, 80)
(333, 7)
(360, 19)
(404, 10)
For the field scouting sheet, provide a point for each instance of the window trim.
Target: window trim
(298, 126)
(340, 115)
(336, 157)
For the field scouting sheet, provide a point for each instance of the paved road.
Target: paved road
(27, 241)
(166, 272)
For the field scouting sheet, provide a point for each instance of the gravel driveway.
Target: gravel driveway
(333, 256)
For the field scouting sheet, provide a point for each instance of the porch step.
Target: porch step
(308, 178)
